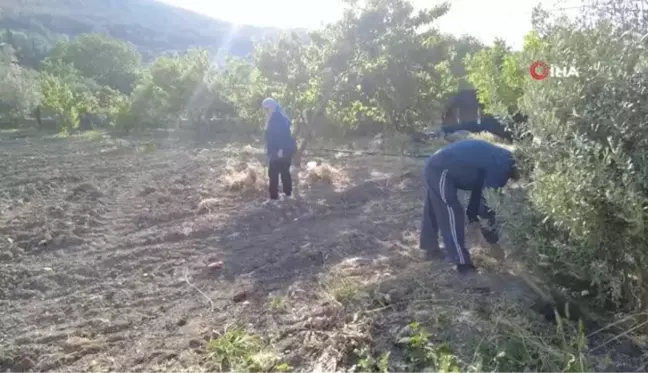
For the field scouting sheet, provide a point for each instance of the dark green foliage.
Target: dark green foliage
(582, 221)
(109, 62)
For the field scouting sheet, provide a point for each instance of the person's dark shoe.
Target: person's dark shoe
(434, 255)
(472, 280)
(466, 269)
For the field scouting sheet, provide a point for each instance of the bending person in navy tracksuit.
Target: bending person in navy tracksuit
(467, 165)
(280, 147)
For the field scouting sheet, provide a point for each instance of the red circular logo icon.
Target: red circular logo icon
(539, 70)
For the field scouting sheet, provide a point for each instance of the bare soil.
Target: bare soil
(105, 247)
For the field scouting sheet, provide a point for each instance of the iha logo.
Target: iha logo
(540, 70)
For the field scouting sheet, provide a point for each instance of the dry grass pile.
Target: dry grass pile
(250, 150)
(487, 136)
(457, 136)
(245, 177)
(209, 205)
(322, 172)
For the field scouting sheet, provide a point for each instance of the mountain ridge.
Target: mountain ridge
(154, 27)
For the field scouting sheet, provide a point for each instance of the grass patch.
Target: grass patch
(501, 347)
(278, 303)
(146, 148)
(93, 135)
(344, 290)
(423, 355)
(7, 358)
(426, 325)
(522, 347)
(90, 135)
(238, 351)
(368, 363)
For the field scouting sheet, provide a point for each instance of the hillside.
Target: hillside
(152, 26)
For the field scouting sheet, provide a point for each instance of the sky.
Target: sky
(484, 19)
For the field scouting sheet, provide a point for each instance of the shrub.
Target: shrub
(582, 219)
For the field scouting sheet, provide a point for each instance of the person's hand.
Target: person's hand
(475, 233)
(280, 153)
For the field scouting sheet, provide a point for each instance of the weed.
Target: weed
(93, 135)
(368, 363)
(343, 289)
(517, 348)
(146, 148)
(6, 356)
(278, 303)
(422, 354)
(239, 351)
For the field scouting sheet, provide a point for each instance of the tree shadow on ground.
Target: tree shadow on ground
(274, 246)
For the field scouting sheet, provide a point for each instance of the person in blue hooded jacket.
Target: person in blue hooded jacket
(470, 165)
(280, 147)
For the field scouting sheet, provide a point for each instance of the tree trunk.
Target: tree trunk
(305, 131)
(37, 114)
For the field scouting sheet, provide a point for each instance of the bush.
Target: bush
(582, 219)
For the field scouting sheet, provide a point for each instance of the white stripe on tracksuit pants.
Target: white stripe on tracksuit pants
(445, 212)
